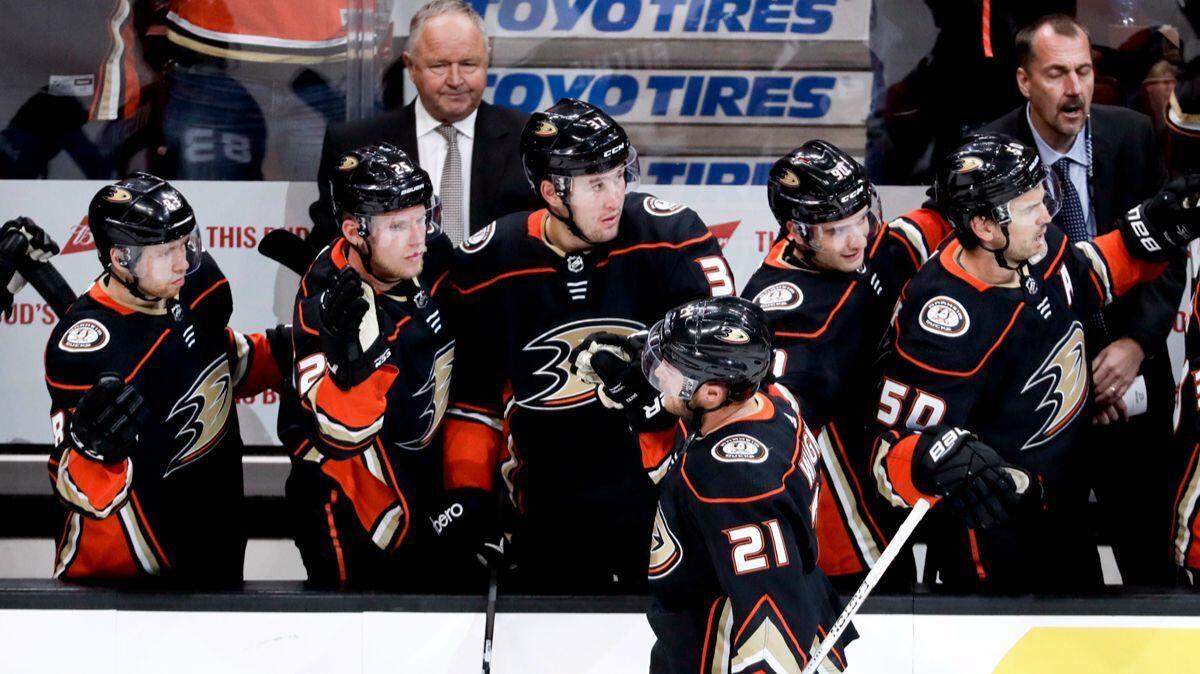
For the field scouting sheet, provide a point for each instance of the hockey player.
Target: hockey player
(372, 377)
(828, 287)
(532, 286)
(733, 557)
(985, 387)
(143, 371)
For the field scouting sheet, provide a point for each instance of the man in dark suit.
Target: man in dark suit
(1107, 161)
(469, 148)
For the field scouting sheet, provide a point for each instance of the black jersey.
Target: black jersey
(571, 467)
(733, 556)
(365, 467)
(173, 507)
(827, 327)
(1010, 365)
(1185, 525)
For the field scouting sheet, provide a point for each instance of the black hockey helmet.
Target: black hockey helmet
(569, 139)
(816, 184)
(381, 178)
(720, 339)
(139, 210)
(573, 138)
(985, 173)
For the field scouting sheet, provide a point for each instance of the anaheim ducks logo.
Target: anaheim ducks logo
(789, 179)
(118, 195)
(566, 390)
(204, 410)
(1066, 372)
(968, 164)
(732, 335)
(665, 552)
(348, 163)
(438, 386)
(545, 129)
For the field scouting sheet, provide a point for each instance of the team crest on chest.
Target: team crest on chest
(1065, 374)
(563, 389)
(665, 551)
(202, 414)
(437, 387)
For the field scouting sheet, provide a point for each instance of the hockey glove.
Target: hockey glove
(1166, 221)
(470, 524)
(12, 247)
(613, 363)
(977, 485)
(107, 419)
(343, 309)
(40, 246)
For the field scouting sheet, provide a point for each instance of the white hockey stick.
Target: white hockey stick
(868, 584)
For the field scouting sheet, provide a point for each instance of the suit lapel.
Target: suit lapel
(1104, 180)
(404, 132)
(487, 164)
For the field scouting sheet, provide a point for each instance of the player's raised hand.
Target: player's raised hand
(39, 246)
(107, 420)
(342, 310)
(1169, 219)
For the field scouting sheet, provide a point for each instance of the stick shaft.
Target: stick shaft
(885, 560)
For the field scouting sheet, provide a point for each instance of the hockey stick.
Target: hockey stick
(288, 250)
(50, 284)
(868, 584)
(489, 625)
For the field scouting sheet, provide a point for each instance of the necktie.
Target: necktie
(1071, 220)
(452, 187)
(1070, 217)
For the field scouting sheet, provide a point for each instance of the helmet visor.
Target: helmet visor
(864, 224)
(1024, 208)
(589, 190)
(403, 225)
(661, 374)
(164, 260)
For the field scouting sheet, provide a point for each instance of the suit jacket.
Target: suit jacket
(1127, 169)
(498, 184)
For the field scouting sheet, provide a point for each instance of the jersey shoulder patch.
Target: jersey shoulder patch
(86, 334)
(745, 461)
(477, 241)
(660, 207)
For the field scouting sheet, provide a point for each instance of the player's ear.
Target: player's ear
(983, 227)
(546, 188)
(350, 231)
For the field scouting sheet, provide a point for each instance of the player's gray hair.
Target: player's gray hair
(438, 8)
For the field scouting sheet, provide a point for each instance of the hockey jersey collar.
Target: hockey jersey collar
(99, 295)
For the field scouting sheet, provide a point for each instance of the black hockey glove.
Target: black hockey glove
(343, 308)
(1165, 222)
(470, 524)
(12, 248)
(107, 419)
(40, 246)
(977, 485)
(613, 364)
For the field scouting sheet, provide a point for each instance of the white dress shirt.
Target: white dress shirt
(1077, 169)
(431, 151)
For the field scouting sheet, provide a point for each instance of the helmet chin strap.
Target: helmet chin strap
(569, 219)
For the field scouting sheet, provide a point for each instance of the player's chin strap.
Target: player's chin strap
(569, 219)
(132, 286)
